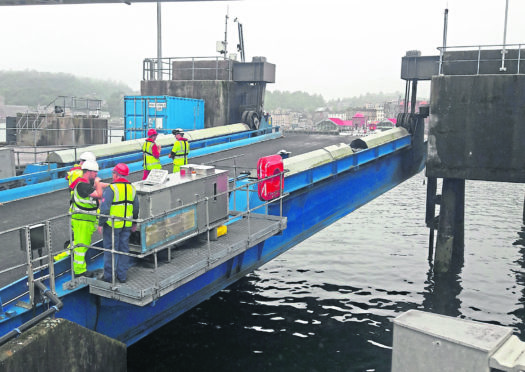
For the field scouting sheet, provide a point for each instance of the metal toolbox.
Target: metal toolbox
(177, 207)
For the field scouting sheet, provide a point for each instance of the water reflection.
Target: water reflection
(442, 290)
(520, 280)
(327, 304)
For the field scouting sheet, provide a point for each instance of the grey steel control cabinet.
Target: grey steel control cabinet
(182, 206)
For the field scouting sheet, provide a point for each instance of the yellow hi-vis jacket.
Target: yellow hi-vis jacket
(73, 174)
(149, 161)
(79, 204)
(122, 204)
(180, 152)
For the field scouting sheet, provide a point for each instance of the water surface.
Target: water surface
(327, 304)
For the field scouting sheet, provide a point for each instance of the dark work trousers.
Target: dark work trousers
(121, 245)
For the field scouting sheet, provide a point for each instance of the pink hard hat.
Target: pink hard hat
(121, 169)
(152, 132)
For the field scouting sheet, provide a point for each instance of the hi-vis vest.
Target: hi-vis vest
(149, 162)
(122, 204)
(73, 174)
(79, 204)
(180, 149)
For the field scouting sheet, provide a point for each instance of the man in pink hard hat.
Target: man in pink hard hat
(150, 153)
(121, 202)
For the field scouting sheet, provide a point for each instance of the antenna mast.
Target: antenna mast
(240, 46)
(504, 51)
(226, 32)
(159, 42)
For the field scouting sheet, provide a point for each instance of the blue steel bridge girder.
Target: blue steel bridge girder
(316, 198)
(308, 209)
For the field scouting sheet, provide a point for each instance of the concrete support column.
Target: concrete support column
(450, 237)
(431, 213)
(459, 222)
(61, 345)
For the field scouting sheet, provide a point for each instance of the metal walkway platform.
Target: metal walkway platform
(145, 284)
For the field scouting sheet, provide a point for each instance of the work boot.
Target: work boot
(60, 256)
(64, 254)
(87, 274)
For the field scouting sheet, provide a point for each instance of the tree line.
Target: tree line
(33, 88)
(305, 102)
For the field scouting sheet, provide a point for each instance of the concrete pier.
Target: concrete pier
(61, 345)
(475, 133)
(450, 237)
(476, 128)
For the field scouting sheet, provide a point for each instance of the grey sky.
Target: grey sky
(335, 48)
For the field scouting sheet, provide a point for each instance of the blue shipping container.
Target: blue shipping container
(163, 113)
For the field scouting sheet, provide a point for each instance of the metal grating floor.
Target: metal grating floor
(145, 284)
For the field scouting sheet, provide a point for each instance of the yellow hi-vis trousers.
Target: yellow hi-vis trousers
(82, 233)
(177, 163)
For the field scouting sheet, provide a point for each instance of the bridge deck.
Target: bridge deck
(145, 284)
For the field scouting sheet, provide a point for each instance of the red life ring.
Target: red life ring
(268, 166)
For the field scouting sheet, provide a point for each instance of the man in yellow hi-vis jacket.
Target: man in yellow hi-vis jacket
(150, 153)
(180, 151)
(84, 199)
(118, 200)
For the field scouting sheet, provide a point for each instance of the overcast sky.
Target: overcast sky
(337, 48)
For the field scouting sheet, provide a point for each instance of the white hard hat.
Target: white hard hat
(90, 165)
(88, 156)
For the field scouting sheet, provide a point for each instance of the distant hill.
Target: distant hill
(40, 88)
(295, 101)
(363, 99)
(302, 101)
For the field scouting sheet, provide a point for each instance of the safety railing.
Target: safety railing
(209, 226)
(507, 57)
(43, 135)
(192, 68)
(103, 135)
(74, 104)
(29, 251)
(234, 167)
(39, 117)
(41, 242)
(35, 260)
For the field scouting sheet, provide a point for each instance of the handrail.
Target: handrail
(209, 226)
(479, 59)
(35, 265)
(52, 310)
(41, 266)
(152, 71)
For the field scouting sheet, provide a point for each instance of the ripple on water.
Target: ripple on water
(327, 304)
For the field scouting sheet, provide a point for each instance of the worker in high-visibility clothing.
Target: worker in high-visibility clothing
(76, 171)
(118, 200)
(85, 199)
(150, 153)
(72, 176)
(180, 151)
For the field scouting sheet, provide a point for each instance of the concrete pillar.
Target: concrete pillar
(61, 345)
(450, 237)
(431, 213)
(459, 222)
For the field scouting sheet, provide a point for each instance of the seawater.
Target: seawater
(327, 304)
